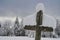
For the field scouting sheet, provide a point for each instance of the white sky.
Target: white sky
(9, 18)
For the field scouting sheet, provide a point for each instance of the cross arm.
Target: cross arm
(28, 27)
(42, 28)
(46, 28)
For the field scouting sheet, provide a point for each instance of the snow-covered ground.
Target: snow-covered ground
(24, 38)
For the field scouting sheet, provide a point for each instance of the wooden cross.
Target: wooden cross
(38, 26)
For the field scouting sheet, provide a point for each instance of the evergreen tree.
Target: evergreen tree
(16, 27)
(22, 31)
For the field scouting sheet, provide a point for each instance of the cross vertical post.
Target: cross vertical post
(38, 22)
(38, 34)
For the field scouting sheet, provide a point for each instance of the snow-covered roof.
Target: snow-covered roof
(47, 20)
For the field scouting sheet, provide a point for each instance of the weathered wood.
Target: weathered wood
(39, 17)
(28, 27)
(38, 34)
(48, 29)
(42, 28)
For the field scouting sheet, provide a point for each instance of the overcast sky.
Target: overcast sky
(27, 7)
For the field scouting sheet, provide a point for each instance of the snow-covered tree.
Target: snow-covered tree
(16, 27)
(3, 32)
(6, 26)
(57, 30)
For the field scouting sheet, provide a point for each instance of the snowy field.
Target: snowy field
(25, 38)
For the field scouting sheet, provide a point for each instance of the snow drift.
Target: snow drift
(25, 38)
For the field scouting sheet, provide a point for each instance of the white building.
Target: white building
(47, 20)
